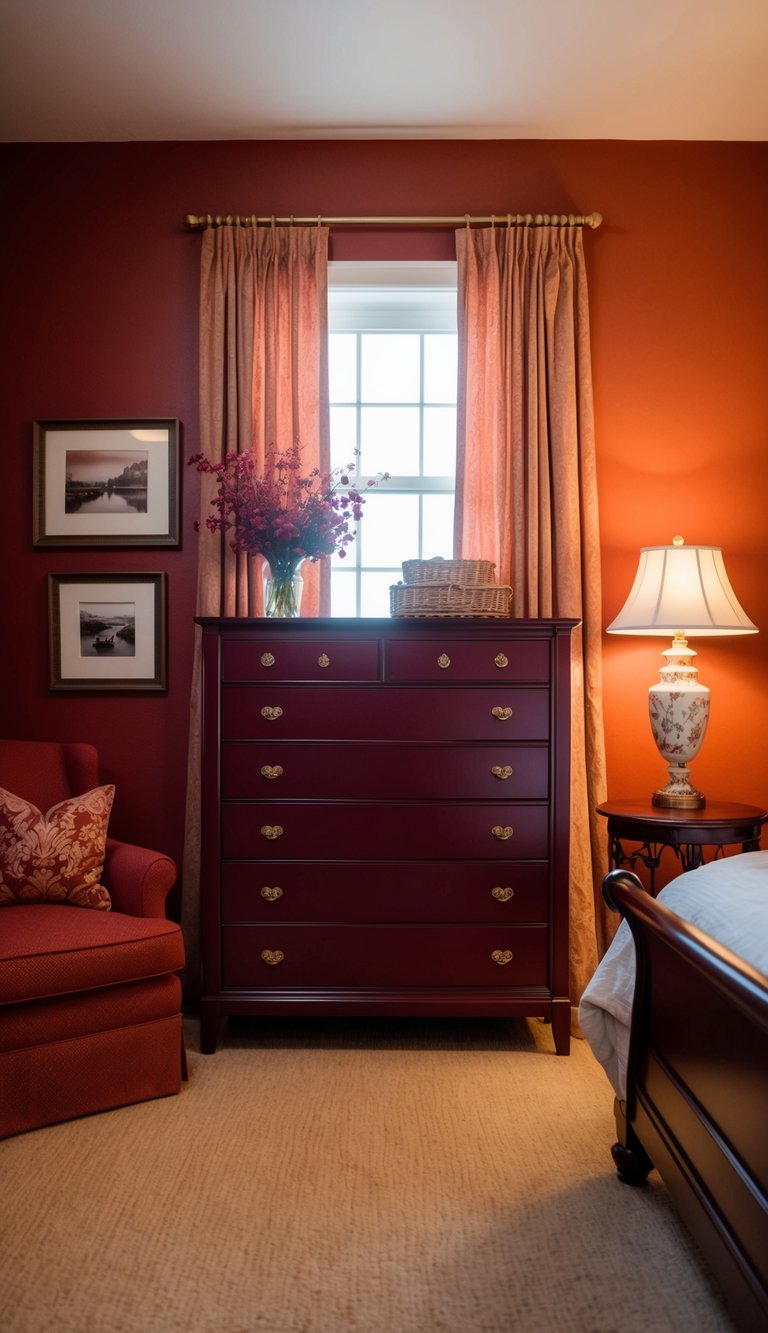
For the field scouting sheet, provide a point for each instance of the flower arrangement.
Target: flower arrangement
(286, 517)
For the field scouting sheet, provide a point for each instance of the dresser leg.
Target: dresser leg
(210, 1026)
(561, 1026)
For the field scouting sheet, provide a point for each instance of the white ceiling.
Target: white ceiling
(82, 70)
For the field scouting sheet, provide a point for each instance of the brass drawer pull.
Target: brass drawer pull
(323, 660)
(501, 661)
(272, 771)
(271, 714)
(500, 771)
(267, 660)
(502, 895)
(271, 892)
(503, 714)
(272, 956)
(500, 956)
(444, 661)
(500, 831)
(273, 831)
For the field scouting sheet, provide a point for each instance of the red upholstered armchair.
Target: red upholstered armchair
(89, 1000)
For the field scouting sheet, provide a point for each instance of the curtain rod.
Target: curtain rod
(195, 222)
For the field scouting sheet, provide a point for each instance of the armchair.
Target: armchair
(89, 1000)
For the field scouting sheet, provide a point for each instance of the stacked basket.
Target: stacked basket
(449, 588)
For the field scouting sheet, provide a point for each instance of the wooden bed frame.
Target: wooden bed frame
(697, 1091)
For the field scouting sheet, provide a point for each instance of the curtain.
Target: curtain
(263, 386)
(526, 492)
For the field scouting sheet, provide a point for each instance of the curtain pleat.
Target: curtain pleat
(526, 492)
(263, 386)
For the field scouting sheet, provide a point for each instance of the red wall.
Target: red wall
(100, 321)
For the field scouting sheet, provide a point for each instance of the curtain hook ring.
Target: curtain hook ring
(467, 220)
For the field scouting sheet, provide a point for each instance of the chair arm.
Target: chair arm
(139, 880)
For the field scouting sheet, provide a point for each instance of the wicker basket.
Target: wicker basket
(449, 599)
(467, 573)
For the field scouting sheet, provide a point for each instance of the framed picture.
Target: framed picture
(107, 631)
(106, 483)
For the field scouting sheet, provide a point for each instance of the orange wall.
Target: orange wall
(100, 311)
(679, 350)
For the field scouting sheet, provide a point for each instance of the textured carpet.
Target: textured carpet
(325, 1176)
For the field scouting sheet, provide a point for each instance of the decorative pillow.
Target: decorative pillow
(57, 857)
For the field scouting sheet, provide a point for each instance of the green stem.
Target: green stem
(282, 589)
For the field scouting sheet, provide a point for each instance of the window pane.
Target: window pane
(438, 526)
(343, 591)
(343, 437)
(375, 593)
(389, 531)
(440, 367)
(439, 441)
(389, 440)
(342, 367)
(390, 367)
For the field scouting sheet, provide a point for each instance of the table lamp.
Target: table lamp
(680, 590)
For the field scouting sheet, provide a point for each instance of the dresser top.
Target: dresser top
(405, 626)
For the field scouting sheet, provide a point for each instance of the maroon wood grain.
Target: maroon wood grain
(386, 830)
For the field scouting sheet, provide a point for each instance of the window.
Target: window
(392, 375)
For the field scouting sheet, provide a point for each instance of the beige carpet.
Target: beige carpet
(322, 1176)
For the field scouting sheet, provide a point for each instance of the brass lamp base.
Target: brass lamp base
(679, 793)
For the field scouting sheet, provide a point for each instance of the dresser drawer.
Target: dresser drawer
(288, 769)
(317, 658)
(467, 660)
(357, 713)
(383, 955)
(443, 891)
(389, 831)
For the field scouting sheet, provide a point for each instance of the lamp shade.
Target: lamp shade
(681, 589)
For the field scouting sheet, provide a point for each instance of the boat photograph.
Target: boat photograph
(107, 628)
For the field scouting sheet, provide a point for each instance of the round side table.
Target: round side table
(716, 824)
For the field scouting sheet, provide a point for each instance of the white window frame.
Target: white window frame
(400, 296)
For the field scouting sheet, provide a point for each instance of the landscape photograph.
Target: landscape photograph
(107, 629)
(109, 481)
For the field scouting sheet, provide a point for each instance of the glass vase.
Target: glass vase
(283, 586)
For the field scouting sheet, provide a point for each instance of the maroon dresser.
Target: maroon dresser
(385, 818)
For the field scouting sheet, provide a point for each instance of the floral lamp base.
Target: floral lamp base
(679, 711)
(679, 793)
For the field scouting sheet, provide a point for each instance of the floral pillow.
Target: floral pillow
(57, 857)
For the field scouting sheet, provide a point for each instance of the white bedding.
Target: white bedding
(727, 898)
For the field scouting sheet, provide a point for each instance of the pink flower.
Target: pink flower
(283, 516)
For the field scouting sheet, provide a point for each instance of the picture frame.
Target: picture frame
(106, 483)
(108, 631)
